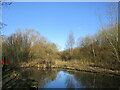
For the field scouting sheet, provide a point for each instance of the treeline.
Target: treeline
(102, 49)
(26, 45)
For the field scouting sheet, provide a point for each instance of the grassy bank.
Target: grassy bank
(77, 65)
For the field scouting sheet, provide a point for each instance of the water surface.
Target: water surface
(71, 79)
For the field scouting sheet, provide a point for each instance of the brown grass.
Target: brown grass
(79, 65)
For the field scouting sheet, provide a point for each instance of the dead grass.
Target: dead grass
(72, 65)
(83, 65)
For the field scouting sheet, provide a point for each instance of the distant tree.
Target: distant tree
(70, 43)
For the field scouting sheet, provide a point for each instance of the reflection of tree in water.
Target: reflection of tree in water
(69, 82)
(46, 76)
(93, 80)
(43, 82)
(41, 76)
(72, 79)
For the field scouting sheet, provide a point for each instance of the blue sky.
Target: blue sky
(54, 20)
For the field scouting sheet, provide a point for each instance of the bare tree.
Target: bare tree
(3, 3)
(112, 16)
(70, 43)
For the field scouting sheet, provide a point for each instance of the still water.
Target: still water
(70, 79)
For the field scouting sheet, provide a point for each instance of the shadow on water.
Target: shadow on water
(68, 79)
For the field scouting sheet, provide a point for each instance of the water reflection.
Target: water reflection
(71, 79)
(63, 80)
